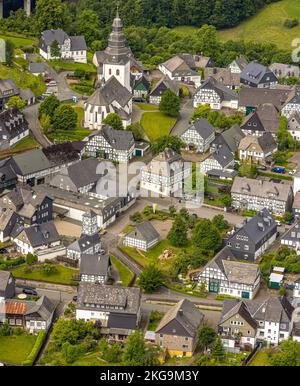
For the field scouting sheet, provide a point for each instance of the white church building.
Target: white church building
(115, 94)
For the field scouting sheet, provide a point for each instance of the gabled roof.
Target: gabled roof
(186, 314)
(144, 231)
(266, 116)
(49, 36)
(232, 307)
(180, 64)
(223, 75)
(167, 83)
(252, 96)
(12, 123)
(294, 96)
(7, 85)
(118, 139)
(111, 91)
(203, 128)
(42, 309)
(254, 72)
(241, 61)
(265, 141)
(224, 92)
(261, 188)
(41, 234)
(85, 242)
(37, 68)
(94, 265)
(257, 227)
(230, 137)
(4, 279)
(221, 152)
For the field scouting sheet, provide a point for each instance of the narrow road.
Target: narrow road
(31, 114)
(186, 113)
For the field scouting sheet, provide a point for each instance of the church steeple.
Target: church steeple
(117, 50)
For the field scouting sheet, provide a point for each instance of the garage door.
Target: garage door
(245, 295)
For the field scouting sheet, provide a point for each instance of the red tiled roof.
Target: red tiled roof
(17, 308)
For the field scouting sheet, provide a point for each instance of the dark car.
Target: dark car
(262, 167)
(75, 298)
(30, 291)
(3, 250)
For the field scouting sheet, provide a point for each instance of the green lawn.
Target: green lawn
(260, 359)
(124, 273)
(18, 41)
(267, 25)
(64, 65)
(25, 144)
(23, 79)
(157, 124)
(15, 349)
(63, 275)
(146, 106)
(152, 255)
(91, 359)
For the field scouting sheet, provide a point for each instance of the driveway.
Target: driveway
(186, 113)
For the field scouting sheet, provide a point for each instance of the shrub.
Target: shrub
(7, 264)
(291, 23)
(35, 349)
(31, 259)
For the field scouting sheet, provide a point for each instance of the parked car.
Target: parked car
(262, 167)
(292, 172)
(278, 169)
(278, 223)
(30, 291)
(102, 251)
(75, 298)
(48, 80)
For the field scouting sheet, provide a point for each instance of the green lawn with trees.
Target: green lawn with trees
(57, 273)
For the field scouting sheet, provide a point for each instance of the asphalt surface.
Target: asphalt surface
(31, 114)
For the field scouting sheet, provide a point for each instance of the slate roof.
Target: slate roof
(118, 139)
(78, 43)
(42, 309)
(144, 231)
(252, 96)
(265, 141)
(282, 70)
(167, 83)
(224, 92)
(186, 314)
(254, 72)
(203, 128)
(221, 152)
(257, 227)
(111, 91)
(128, 299)
(142, 80)
(4, 278)
(293, 234)
(49, 36)
(5, 217)
(230, 137)
(37, 68)
(41, 234)
(85, 242)
(272, 309)
(12, 124)
(180, 65)
(6, 85)
(266, 116)
(296, 203)
(30, 162)
(94, 265)
(294, 96)
(81, 173)
(261, 188)
(223, 75)
(241, 61)
(235, 271)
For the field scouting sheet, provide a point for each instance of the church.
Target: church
(114, 75)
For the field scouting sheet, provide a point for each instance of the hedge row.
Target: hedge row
(35, 349)
(7, 264)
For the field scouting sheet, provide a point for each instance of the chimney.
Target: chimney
(180, 312)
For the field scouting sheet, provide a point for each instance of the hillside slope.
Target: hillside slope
(267, 25)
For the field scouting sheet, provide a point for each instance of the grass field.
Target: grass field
(260, 359)
(267, 25)
(146, 106)
(64, 65)
(23, 79)
(25, 144)
(63, 275)
(156, 124)
(18, 41)
(15, 349)
(125, 274)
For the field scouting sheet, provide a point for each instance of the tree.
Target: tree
(114, 121)
(16, 102)
(9, 52)
(48, 106)
(285, 140)
(151, 279)
(206, 337)
(51, 14)
(178, 233)
(226, 200)
(172, 210)
(166, 141)
(49, 269)
(170, 104)
(65, 118)
(134, 349)
(220, 222)
(288, 217)
(70, 331)
(136, 130)
(206, 236)
(289, 354)
(218, 352)
(247, 169)
(88, 25)
(113, 353)
(55, 50)
(45, 123)
(31, 259)
(136, 217)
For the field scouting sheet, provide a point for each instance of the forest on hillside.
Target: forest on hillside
(169, 13)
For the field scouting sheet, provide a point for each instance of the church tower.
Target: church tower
(89, 223)
(117, 55)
